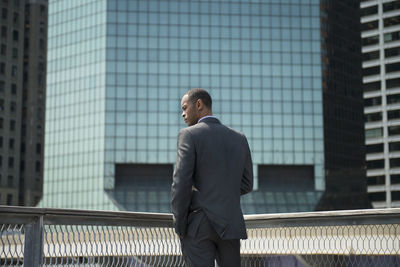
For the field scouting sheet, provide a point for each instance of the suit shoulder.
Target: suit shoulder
(236, 132)
(184, 131)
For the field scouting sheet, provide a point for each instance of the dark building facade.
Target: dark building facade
(344, 141)
(22, 100)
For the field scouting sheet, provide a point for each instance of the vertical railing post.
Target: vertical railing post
(33, 247)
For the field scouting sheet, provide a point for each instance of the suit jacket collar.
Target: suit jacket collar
(210, 119)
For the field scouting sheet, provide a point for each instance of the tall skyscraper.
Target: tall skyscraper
(22, 98)
(380, 22)
(117, 70)
(344, 142)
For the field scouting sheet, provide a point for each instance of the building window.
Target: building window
(1, 123)
(373, 101)
(40, 80)
(377, 196)
(10, 181)
(26, 43)
(41, 44)
(41, 66)
(395, 179)
(393, 114)
(394, 130)
(2, 68)
(393, 67)
(12, 125)
(392, 21)
(4, 32)
(375, 164)
(22, 166)
(391, 37)
(392, 99)
(374, 133)
(395, 146)
(15, 35)
(16, 18)
(37, 166)
(371, 25)
(3, 49)
(376, 148)
(2, 86)
(394, 5)
(11, 144)
(14, 71)
(376, 180)
(370, 40)
(15, 53)
(4, 13)
(38, 148)
(370, 55)
(371, 71)
(9, 199)
(394, 162)
(1, 104)
(395, 195)
(369, 11)
(42, 27)
(1, 141)
(392, 52)
(373, 117)
(42, 10)
(393, 83)
(13, 89)
(10, 162)
(13, 106)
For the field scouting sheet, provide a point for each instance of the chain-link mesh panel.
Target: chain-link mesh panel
(349, 245)
(11, 244)
(111, 246)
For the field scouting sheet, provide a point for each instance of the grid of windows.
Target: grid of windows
(75, 108)
(381, 71)
(261, 62)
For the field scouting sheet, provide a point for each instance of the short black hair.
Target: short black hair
(199, 93)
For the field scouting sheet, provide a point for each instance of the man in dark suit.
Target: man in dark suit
(213, 168)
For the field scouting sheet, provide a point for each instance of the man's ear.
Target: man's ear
(199, 104)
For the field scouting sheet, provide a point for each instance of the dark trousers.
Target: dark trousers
(202, 246)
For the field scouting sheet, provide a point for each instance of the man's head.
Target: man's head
(196, 103)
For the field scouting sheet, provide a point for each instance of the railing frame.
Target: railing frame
(35, 219)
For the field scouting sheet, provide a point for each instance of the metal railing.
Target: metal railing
(61, 237)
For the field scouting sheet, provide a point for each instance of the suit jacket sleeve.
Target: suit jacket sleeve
(247, 177)
(181, 190)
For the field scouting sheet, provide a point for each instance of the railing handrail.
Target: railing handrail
(321, 218)
(341, 217)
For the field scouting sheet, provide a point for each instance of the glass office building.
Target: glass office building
(117, 70)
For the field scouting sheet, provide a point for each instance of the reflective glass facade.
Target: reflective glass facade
(117, 71)
(75, 106)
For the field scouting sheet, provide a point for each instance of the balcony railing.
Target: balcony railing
(61, 237)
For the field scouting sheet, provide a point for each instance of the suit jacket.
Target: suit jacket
(213, 169)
